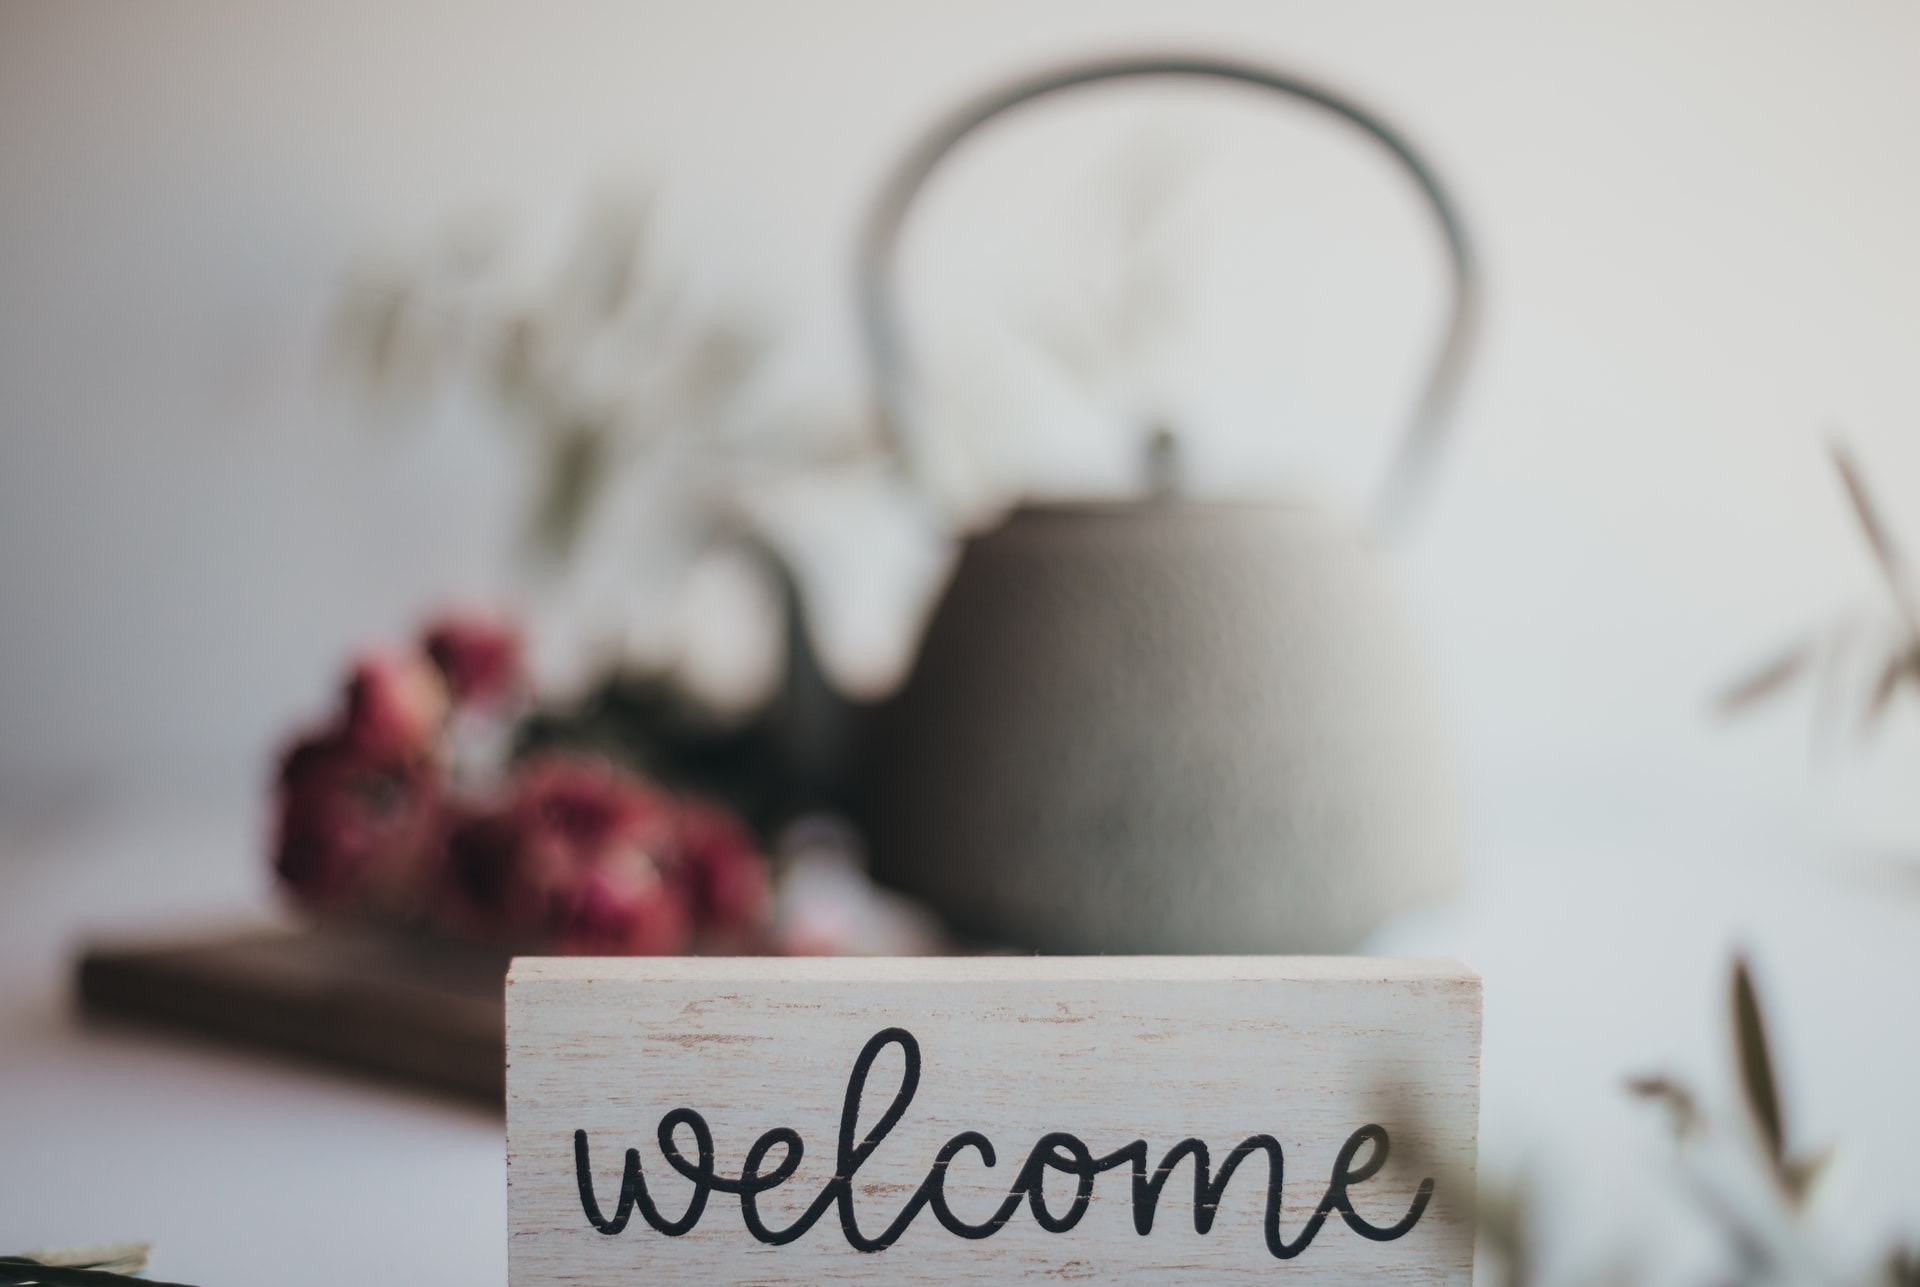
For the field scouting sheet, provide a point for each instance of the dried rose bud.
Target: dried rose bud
(581, 857)
(481, 858)
(396, 706)
(353, 833)
(621, 906)
(480, 658)
(577, 809)
(726, 874)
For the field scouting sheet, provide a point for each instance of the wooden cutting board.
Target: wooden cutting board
(422, 1011)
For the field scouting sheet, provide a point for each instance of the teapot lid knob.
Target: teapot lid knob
(1162, 462)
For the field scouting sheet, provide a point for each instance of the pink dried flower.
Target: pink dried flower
(727, 876)
(621, 906)
(396, 707)
(576, 809)
(480, 872)
(353, 832)
(480, 658)
(581, 856)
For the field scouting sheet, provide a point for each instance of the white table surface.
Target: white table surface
(248, 1169)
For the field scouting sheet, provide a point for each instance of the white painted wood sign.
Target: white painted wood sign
(991, 1120)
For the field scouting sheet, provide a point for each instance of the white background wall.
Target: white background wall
(1697, 221)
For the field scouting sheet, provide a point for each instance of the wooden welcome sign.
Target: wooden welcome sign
(991, 1120)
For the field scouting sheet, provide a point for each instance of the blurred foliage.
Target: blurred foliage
(602, 367)
(1111, 332)
(647, 724)
(1829, 657)
(79, 1267)
(1761, 1228)
(787, 758)
(1882, 648)
(606, 372)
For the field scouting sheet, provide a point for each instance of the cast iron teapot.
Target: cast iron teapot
(1160, 724)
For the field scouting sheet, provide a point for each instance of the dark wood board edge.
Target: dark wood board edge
(448, 1040)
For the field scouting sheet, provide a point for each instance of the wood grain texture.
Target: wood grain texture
(416, 1009)
(1111, 1050)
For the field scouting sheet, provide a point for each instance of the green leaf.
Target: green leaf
(20, 1271)
(1756, 1067)
(1682, 1109)
(577, 464)
(1766, 681)
(1872, 526)
(116, 1257)
(1803, 1172)
(1897, 667)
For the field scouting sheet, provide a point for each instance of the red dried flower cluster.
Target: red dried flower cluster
(569, 854)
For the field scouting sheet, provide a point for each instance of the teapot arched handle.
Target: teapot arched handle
(879, 307)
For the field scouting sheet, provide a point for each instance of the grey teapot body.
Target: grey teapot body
(1164, 727)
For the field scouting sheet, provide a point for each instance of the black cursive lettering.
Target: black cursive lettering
(1054, 1151)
